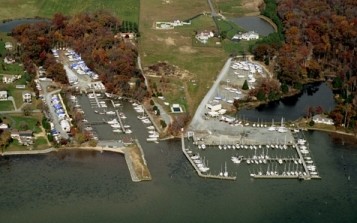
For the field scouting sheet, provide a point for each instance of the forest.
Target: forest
(319, 44)
(93, 36)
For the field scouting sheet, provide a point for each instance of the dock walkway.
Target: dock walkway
(198, 171)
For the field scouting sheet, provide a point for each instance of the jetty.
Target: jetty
(197, 169)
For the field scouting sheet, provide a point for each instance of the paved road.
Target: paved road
(196, 123)
(213, 12)
(54, 117)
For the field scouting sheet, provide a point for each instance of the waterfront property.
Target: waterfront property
(251, 35)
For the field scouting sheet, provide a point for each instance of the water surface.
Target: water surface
(96, 187)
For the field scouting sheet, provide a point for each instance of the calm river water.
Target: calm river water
(96, 187)
(292, 108)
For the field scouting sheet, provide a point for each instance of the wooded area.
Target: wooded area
(92, 35)
(320, 39)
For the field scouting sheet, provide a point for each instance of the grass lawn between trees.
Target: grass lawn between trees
(19, 122)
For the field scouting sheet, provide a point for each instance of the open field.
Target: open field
(175, 46)
(235, 8)
(10, 9)
(6, 106)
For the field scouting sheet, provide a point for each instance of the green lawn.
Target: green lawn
(23, 123)
(6, 106)
(124, 9)
(40, 143)
(14, 68)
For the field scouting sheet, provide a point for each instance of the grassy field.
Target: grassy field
(175, 47)
(235, 8)
(124, 9)
(18, 122)
(6, 106)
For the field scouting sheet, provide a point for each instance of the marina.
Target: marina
(277, 159)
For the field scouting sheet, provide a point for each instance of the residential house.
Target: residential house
(24, 137)
(8, 79)
(322, 120)
(204, 36)
(4, 126)
(8, 46)
(3, 95)
(251, 35)
(26, 97)
(9, 60)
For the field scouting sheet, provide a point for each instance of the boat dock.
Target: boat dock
(120, 121)
(198, 171)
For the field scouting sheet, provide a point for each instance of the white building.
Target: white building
(322, 120)
(26, 97)
(204, 36)
(7, 79)
(4, 126)
(214, 106)
(65, 125)
(3, 95)
(251, 35)
(9, 46)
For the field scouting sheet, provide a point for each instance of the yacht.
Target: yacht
(116, 125)
(114, 121)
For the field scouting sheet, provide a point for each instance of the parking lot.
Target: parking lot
(227, 88)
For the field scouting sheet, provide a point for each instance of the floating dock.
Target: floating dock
(198, 171)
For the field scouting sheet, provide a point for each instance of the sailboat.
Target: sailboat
(225, 174)
(282, 128)
(272, 127)
(221, 173)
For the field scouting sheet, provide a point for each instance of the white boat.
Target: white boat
(155, 135)
(141, 117)
(146, 121)
(110, 112)
(114, 121)
(126, 126)
(117, 130)
(203, 146)
(195, 157)
(128, 131)
(151, 127)
(116, 125)
(153, 139)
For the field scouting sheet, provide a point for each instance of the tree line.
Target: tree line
(91, 35)
(320, 39)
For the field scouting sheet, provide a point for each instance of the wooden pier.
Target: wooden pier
(198, 171)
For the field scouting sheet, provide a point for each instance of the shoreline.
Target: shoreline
(268, 20)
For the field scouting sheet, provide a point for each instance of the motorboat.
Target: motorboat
(116, 125)
(151, 127)
(110, 112)
(128, 131)
(117, 130)
(153, 139)
(114, 121)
